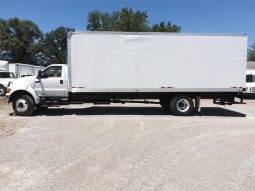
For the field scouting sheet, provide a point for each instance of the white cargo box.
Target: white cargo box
(37, 68)
(146, 62)
(4, 65)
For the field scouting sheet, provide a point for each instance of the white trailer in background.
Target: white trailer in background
(37, 68)
(22, 70)
(250, 83)
(4, 65)
(5, 75)
(174, 69)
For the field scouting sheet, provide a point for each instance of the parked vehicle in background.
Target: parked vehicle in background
(4, 65)
(10, 71)
(5, 78)
(250, 83)
(175, 70)
(5, 75)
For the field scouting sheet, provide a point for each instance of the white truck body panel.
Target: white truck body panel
(146, 62)
(4, 65)
(23, 69)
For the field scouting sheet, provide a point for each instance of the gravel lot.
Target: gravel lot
(128, 147)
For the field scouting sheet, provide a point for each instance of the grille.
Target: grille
(253, 89)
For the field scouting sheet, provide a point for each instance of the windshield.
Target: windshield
(249, 78)
(6, 75)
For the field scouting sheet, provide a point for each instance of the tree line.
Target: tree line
(22, 41)
(126, 20)
(251, 53)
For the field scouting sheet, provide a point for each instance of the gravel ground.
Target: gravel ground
(128, 147)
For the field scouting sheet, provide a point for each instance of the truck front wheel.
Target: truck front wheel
(182, 105)
(23, 105)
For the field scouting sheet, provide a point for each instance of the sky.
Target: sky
(194, 16)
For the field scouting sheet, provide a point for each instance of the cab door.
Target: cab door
(53, 82)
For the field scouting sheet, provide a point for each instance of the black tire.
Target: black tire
(23, 105)
(182, 105)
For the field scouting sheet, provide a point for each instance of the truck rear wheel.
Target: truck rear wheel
(182, 105)
(23, 105)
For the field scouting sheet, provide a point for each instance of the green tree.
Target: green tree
(126, 20)
(251, 53)
(163, 27)
(19, 40)
(95, 21)
(55, 45)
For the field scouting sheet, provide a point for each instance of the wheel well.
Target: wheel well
(20, 92)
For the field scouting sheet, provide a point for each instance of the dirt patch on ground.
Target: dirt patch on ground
(7, 123)
(128, 147)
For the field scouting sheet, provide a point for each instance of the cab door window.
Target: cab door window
(52, 72)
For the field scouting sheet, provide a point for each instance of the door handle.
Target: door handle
(61, 81)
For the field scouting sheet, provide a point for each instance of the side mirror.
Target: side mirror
(39, 74)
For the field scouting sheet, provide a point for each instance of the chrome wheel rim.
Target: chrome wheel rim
(183, 105)
(21, 105)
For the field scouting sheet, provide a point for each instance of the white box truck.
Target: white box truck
(175, 70)
(4, 66)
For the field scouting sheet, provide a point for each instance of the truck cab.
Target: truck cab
(28, 93)
(52, 82)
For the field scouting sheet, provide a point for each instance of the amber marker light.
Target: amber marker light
(8, 90)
